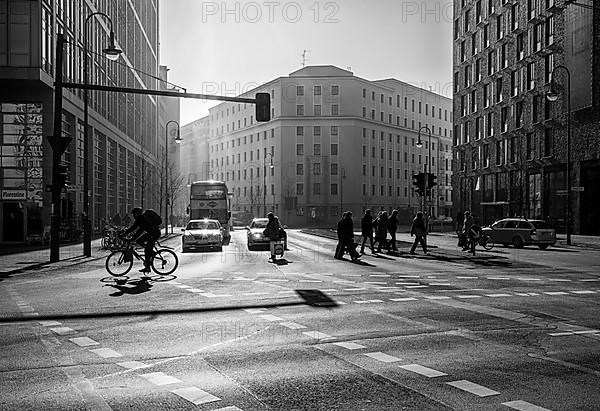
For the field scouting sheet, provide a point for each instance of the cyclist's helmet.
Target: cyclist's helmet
(136, 210)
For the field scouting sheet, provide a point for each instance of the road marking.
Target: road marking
(379, 275)
(195, 395)
(354, 289)
(524, 406)
(559, 279)
(350, 345)
(274, 280)
(376, 282)
(498, 278)
(589, 279)
(409, 276)
(231, 408)
(286, 292)
(498, 295)
(527, 294)
(63, 330)
(351, 275)
(586, 332)
(473, 388)
(419, 369)
(132, 365)
(437, 297)
(329, 290)
(317, 335)
(106, 353)
(368, 301)
(84, 341)
(160, 378)
(255, 310)
(379, 356)
(243, 279)
(555, 293)
(183, 286)
(528, 279)
(468, 296)
(583, 292)
(49, 323)
(466, 278)
(403, 299)
(292, 325)
(195, 290)
(310, 281)
(560, 334)
(260, 293)
(440, 284)
(211, 295)
(412, 283)
(271, 317)
(416, 286)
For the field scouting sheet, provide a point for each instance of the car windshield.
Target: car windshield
(540, 224)
(203, 225)
(259, 224)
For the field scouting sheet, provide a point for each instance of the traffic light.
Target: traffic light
(63, 175)
(263, 107)
(431, 181)
(419, 183)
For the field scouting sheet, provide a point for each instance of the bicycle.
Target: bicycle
(119, 262)
(112, 239)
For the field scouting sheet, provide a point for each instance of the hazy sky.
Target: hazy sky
(227, 47)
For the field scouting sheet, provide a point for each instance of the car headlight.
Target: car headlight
(257, 236)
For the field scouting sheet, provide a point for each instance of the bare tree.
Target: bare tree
(176, 183)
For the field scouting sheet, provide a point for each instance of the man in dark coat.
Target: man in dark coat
(366, 228)
(381, 231)
(419, 230)
(346, 237)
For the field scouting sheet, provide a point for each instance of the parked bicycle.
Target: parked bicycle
(120, 262)
(112, 240)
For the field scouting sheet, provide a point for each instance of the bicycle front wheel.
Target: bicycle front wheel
(165, 262)
(116, 264)
(487, 243)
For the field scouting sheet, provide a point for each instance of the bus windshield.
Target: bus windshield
(208, 192)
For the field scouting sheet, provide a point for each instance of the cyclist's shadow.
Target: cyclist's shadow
(132, 287)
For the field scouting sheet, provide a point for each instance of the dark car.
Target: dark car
(521, 232)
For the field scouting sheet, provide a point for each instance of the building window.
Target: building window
(334, 130)
(316, 130)
(317, 189)
(299, 130)
(548, 142)
(317, 149)
(317, 169)
(317, 109)
(299, 109)
(317, 90)
(334, 149)
(299, 149)
(335, 110)
(299, 90)
(299, 189)
(334, 169)
(335, 90)
(299, 169)
(530, 141)
(334, 189)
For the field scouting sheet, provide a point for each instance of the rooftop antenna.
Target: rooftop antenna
(304, 57)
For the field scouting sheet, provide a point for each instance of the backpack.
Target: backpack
(153, 217)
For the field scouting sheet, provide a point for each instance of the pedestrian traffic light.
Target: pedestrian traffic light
(419, 183)
(63, 175)
(263, 107)
(431, 181)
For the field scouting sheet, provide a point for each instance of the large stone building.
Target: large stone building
(335, 142)
(126, 145)
(510, 140)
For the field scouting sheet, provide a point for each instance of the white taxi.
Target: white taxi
(202, 234)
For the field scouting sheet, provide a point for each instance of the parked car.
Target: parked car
(521, 232)
(256, 239)
(202, 234)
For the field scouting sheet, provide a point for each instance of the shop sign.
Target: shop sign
(14, 195)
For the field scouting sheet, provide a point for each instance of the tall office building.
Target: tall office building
(125, 146)
(510, 140)
(335, 142)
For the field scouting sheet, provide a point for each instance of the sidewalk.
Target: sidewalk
(70, 255)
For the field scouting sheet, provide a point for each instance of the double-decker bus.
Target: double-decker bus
(210, 199)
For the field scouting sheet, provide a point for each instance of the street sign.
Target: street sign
(561, 192)
(577, 189)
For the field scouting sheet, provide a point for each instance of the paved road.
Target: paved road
(230, 331)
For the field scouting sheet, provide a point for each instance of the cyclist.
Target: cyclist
(147, 232)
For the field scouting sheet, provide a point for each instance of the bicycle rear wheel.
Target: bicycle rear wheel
(116, 264)
(165, 261)
(487, 243)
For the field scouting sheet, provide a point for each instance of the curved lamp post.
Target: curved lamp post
(271, 166)
(112, 53)
(177, 140)
(552, 96)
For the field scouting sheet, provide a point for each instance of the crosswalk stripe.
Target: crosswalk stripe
(317, 335)
(473, 388)
(84, 341)
(292, 325)
(160, 378)
(419, 369)
(524, 406)
(383, 357)
(195, 395)
(349, 345)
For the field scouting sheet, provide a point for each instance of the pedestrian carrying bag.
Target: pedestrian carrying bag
(153, 217)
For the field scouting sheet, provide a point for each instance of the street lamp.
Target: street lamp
(112, 53)
(420, 145)
(271, 166)
(552, 96)
(177, 140)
